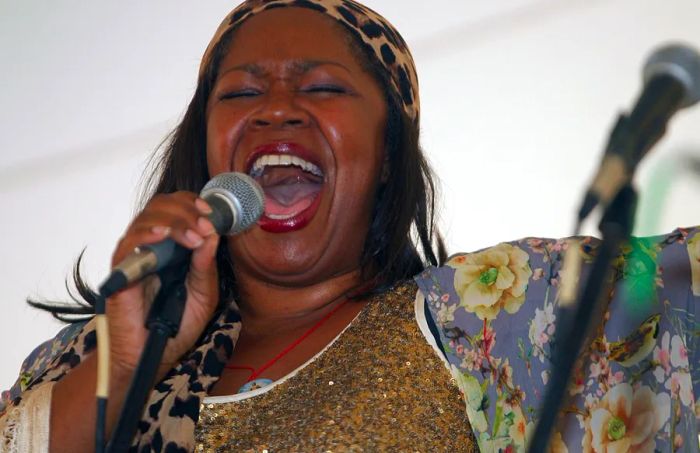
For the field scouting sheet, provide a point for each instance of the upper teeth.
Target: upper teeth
(283, 160)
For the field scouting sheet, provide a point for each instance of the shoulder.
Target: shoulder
(40, 359)
(509, 269)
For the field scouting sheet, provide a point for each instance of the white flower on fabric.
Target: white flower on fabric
(492, 280)
(541, 329)
(659, 375)
(446, 314)
(679, 354)
(662, 356)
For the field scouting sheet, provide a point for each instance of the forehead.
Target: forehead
(290, 34)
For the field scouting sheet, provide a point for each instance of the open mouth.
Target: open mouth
(292, 186)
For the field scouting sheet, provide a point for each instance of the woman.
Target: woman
(326, 349)
(335, 236)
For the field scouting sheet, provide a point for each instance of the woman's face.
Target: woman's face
(293, 107)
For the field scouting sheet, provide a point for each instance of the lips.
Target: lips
(292, 181)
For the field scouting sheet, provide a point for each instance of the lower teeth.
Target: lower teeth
(281, 216)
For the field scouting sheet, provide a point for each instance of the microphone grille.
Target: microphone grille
(681, 62)
(243, 194)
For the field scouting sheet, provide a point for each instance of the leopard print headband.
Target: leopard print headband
(378, 35)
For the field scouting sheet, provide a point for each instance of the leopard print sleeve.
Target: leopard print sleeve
(38, 362)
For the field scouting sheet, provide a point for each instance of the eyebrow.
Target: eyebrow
(295, 66)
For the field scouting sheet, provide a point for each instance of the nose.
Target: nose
(280, 111)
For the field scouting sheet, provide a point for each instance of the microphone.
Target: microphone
(671, 82)
(237, 202)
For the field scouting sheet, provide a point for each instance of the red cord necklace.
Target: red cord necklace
(253, 382)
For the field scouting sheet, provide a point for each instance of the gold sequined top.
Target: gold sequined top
(379, 387)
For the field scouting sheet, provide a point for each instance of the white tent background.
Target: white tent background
(518, 97)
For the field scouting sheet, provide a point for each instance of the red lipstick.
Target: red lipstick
(269, 221)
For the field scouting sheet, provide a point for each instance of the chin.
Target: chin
(273, 260)
(288, 262)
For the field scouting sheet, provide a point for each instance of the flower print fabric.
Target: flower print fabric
(492, 280)
(496, 311)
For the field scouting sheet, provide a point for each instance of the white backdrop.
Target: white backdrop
(518, 97)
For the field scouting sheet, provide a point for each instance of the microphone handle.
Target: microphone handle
(169, 253)
(142, 262)
(152, 258)
(166, 253)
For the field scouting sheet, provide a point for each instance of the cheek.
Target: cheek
(357, 140)
(223, 132)
(358, 146)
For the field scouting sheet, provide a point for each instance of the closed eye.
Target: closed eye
(324, 89)
(239, 94)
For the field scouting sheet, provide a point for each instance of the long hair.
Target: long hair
(402, 238)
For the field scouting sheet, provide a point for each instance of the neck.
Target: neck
(269, 308)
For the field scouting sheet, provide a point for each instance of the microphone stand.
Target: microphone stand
(575, 323)
(163, 322)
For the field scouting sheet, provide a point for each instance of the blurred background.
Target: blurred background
(518, 97)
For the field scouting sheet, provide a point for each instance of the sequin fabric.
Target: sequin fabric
(379, 387)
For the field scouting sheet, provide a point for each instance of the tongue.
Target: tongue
(288, 190)
(290, 199)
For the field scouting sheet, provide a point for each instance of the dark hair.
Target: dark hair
(402, 238)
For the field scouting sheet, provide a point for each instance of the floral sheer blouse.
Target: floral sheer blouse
(495, 316)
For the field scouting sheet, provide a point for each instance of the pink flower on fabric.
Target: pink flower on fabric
(559, 246)
(681, 385)
(489, 340)
(600, 371)
(473, 359)
(679, 354)
(626, 420)
(599, 368)
(536, 245)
